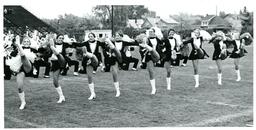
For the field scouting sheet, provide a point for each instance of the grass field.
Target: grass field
(209, 105)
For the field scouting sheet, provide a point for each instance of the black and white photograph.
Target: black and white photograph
(127, 64)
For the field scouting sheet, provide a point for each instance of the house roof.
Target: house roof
(208, 17)
(218, 21)
(17, 16)
(170, 20)
(155, 21)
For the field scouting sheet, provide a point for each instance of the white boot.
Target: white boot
(61, 96)
(219, 79)
(197, 80)
(238, 75)
(116, 84)
(168, 81)
(93, 95)
(22, 99)
(153, 85)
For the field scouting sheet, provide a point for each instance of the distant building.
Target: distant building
(163, 24)
(151, 14)
(213, 22)
(234, 20)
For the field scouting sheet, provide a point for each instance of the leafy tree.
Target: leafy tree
(247, 21)
(222, 14)
(121, 13)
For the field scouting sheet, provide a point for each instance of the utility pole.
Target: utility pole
(216, 10)
(112, 20)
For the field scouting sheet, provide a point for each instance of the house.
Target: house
(213, 22)
(234, 20)
(163, 24)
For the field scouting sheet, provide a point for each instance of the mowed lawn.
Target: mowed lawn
(209, 105)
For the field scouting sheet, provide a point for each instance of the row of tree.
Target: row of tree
(101, 19)
(102, 16)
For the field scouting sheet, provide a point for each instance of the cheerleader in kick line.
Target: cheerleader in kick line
(113, 56)
(196, 53)
(113, 59)
(220, 52)
(170, 45)
(91, 58)
(19, 64)
(239, 49)
(153, 46)
(121, 44)
(54, 51)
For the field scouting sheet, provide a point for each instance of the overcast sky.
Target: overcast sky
(52, 8)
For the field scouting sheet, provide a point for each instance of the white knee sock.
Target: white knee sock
(219, 78)
(238, 75)
(22, 99)
(168, 81)
(196, 80)
(93, 95)
(153, 85)
(61, 96)
(116, 84)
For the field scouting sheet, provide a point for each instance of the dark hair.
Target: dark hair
(170, 30)
(120, 32)
(43, 36)
(153, 29)
(59, 35)
(92, 34)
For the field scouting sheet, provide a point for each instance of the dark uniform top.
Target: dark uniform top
(194, 54)
(146, 56)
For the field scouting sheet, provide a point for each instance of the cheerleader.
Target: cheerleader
(170, 45)
(238, 51)
(29, 52)
(122, 45)
(196, 53)
(113, 57)
(153, 45)
(20, 65)
(91, 56)
(58, 61)
(220, 53)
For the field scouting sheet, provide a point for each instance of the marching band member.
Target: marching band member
(42, 61)
(197, 53)
(70, 61)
